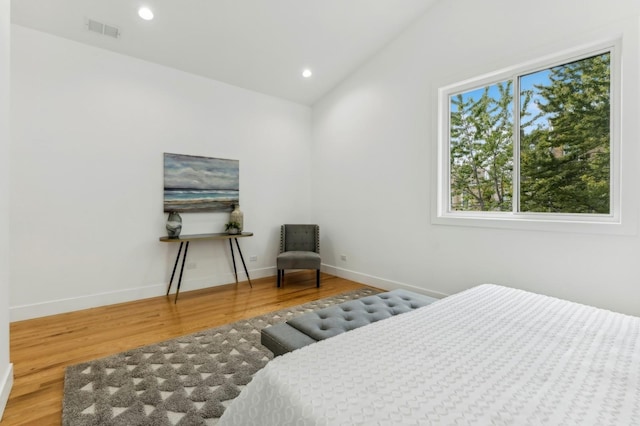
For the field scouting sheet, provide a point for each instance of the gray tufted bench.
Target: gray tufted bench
(328, 322)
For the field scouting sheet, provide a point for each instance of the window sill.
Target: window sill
(591, 224)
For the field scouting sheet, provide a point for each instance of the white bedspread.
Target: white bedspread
(490, 355)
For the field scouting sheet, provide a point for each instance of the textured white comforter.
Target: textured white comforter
(490, 355)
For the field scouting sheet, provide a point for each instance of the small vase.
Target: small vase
(174, 225)
(237, 216)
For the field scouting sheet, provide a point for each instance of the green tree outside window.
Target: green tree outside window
(564, 142)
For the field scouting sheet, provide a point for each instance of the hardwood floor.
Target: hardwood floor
(42, 348)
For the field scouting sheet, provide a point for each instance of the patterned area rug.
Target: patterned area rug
(186, 381)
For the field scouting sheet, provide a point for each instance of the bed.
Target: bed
(488, 355)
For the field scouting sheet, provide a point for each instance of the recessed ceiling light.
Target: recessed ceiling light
(145, 13)
(307, 73)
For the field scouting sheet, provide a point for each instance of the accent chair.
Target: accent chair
(299, 249)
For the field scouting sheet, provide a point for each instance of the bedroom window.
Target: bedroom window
(536, 143)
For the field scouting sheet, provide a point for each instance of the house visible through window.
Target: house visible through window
(537, 141)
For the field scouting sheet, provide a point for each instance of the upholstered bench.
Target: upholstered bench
(328, 322)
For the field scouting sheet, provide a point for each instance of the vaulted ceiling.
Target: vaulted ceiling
(261, 45)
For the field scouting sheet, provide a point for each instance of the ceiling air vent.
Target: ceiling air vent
(104, 29)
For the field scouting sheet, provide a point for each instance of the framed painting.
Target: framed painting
(200, 184)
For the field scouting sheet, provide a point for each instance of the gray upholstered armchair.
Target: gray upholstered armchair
(299, 249)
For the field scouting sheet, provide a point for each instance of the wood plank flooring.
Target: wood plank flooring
(42, 348)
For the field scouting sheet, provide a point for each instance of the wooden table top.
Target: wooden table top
(214, 236)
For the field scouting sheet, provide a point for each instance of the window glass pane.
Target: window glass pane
(565, 138)
(481, 148)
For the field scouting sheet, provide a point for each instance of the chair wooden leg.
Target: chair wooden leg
(318, 278)
(278, 278)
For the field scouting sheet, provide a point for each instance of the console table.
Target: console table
(196, 237)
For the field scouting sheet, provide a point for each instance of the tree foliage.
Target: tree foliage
(481, 150)
(564, 146)
(565, 165)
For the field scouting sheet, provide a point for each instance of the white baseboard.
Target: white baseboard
(37, 310)
(378, 282)
(5, 389)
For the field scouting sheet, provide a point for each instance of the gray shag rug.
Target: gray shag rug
(185, 381)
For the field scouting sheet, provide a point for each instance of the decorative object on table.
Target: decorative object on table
(200, 184)
(188, 380)
(233, 228)
(174, 225)
(237, 216)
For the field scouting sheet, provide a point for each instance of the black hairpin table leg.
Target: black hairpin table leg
(203, 237)
(233, 260)
(184, 258)
(243, 264)
(174, 269)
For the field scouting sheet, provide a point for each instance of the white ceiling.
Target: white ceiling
(262, 45)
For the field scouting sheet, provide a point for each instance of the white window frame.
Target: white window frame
(532, 220)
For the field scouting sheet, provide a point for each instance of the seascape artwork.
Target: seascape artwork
(200, 184)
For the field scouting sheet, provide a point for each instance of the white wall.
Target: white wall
(89, 128)
(6, 370)
(374, 140)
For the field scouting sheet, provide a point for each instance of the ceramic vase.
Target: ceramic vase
(174, 225)
(237, 216)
